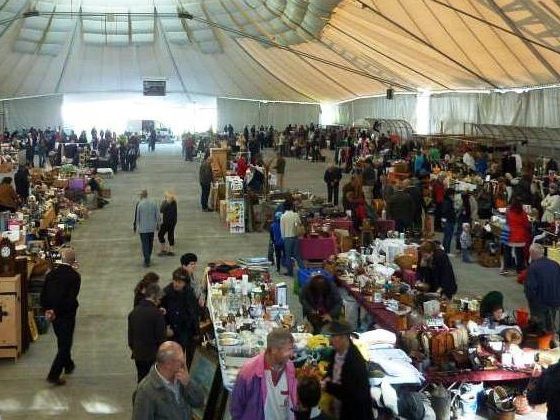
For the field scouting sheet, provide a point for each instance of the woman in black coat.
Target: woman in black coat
(347, 375)
(434, 268)
(181, 312)
(168, 210)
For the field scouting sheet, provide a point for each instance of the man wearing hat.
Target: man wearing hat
(347, 376)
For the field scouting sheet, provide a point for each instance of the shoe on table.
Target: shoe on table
(504, 272)
(170, 253)
(146, 264)
(162, 253)
(70, 369)
(56, 381)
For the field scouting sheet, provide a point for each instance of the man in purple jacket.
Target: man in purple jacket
(266, 387)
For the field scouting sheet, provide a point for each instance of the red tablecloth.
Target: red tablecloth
(317, 248)
(336, 223)
(498, 375)
(384, 318)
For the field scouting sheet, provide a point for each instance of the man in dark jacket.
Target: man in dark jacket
(448, 219)
(146, 330)
(368, 181)
(181, 312)
(332, 178)
(414, 189)
(347, 376)
(321, 303)
(59, 299)
(400, 208)
(546, 390)
(435, 269)
(542, 289)
(205, 178)
(21, 179)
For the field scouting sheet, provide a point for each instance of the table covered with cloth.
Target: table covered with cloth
(495, 375)
(317, 248)
(382, 316)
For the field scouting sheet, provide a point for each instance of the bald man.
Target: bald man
(167, 391)
(59, 299)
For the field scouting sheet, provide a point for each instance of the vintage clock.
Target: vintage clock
(7, 258)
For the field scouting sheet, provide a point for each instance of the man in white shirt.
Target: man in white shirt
(266, 386)
(289, 224)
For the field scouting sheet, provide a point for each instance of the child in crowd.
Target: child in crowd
(309, 394)
(466, 243)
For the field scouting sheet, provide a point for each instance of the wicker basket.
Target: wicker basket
(405, 261)
(489, 260)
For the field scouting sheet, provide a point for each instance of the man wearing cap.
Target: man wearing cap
(266, 386)
(347, 376)
(146, 223)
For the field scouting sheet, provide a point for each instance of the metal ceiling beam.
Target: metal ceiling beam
(175, 67)
(294, 25)
(375, 50)
(529, 45)
(515, 33)
(225, 28)
(333, 80)
(67, 58)
(427, 44)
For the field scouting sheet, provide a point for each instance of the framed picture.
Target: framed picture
(205, 372)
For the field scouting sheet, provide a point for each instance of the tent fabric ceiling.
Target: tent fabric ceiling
(433, 45)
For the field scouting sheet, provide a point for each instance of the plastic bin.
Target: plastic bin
(305, 274)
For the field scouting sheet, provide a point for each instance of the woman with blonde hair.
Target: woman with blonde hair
(168, 209)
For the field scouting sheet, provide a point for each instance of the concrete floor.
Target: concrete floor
(110, 264)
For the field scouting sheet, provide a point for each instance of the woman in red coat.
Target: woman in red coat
(519, 236)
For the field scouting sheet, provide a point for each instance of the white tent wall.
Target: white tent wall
(402, 107)
(534, 108)
(38, 112)
(449, 112)
(240, 113)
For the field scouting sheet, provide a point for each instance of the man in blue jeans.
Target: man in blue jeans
(146, 223)
(289, 224)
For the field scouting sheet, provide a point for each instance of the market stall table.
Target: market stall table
(385, 318)
(317, 248)
(495, 375)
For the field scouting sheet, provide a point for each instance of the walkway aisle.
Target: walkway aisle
(110, 264)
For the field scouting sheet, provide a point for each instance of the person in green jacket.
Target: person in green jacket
(167, 392)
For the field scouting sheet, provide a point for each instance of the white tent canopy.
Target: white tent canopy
(334, 50)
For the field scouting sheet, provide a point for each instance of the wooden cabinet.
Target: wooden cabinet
(10, 316)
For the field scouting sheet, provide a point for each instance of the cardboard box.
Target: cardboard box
(344, 241)
(223, 211)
